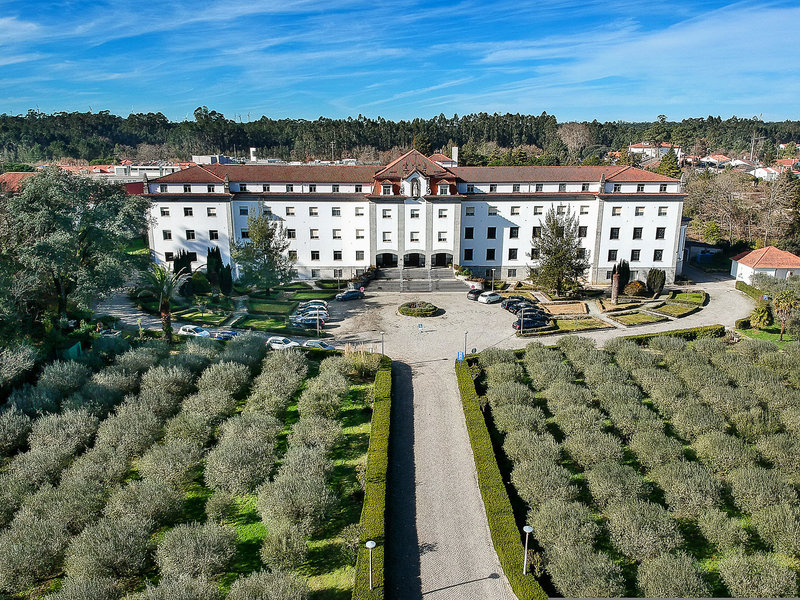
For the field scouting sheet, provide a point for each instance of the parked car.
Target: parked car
(193, 330)
(318, 344)
(526, 306)
(512, 300)
(224, 335)
(489, 298)
(281, 343)
(350, 295)
(530, 323)
(312, 316)
(308, 322)
(474, 293)
(308, 303)
(311, 309)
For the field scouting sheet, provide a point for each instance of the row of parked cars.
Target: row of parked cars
(314, 313)
(529, 314)
(277, 342)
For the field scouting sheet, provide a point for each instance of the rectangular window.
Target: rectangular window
(313, 211)
(469, 211)
(616, 211)
(337, 255)
(414, 236)
(164, 211)
(515, 187)
(617, 187)
(639, 211)
(315, 255)
(470, 188)
(609, 274)
(512, 273)
(290, 211)
(442, 236)
(187, 189)
(359, 255)
(537, 232)
(539, 187)
(188, 211)
(492, 187)
(491, 233)
(469, 233)
(537, 210)
(635, 255)
(467, 253)
(335, 188)
(336, 211)
(211, 211)
(387, 236)
(243, 211)
(337, 234)
(614, 235)
(337, 273)
(584, 187)
(242, 187)
(660, 232)
(515, 210)
(562, 187)
(264, 187)
(167, 234)
(581, 253)
(386, 190)
(359, 211)
(210, 189)
(292, 254)
(245, 234)
(662, 211)
(289, 187)
(291, 234)
(444, 189)
(213, 234)
(561, 209)
(583, 231)
(612, 255)
(584, 210)
(312, 187)
(513, 232)
(658, 255)
(387, 213)
(315, 273)
(637, 233)
(414, 213)
(162, 188)
(169, 256)
(359, 188)
(534, 253)
(490, 254)
(492, 211)
(512, 254)
(314, 234)
(442, 213)
(192, 256)
(662, 188)
(640, 188)
(359, 234)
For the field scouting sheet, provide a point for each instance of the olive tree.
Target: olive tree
(152, 500)
(284, 547)
(755, 487)
(196, 549)
(725, 532)
(671, 576)
(513, 417)
(653, 448)
(297, 497)
(580, 572)
(779, 526)
(537, 481)
(694, 419)
(181, 587)
(757, 575)
(224, 378)
(510, 392)
(172, 462)
(87, 588)
(316, 430)
(275, 584)
(689, 488)
(63, 377)
(109, 548)
(558, 522)
(610, 482)
(14, 428)
(589, 447)
(31, 552)
(526, 445)
(723, 452)
(640, 529)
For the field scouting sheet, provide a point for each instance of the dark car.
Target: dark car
(518, 297)
(308, 322)
(224, 335)
(509, 301)
(526, 306)
(350, 295)
(473, 294)
(533, 323)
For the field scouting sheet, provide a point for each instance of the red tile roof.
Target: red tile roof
(273, 173)
(555, 174)
(410, 162)
(439, 157)
(768, 258)
(11, 181)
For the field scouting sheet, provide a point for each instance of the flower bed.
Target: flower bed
(417, 308)
(566, 308)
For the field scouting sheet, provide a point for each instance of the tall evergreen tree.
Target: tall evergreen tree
(560, 265)
(263, 261)
(669, 165)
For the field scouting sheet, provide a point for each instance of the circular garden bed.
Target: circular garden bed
(418, 309)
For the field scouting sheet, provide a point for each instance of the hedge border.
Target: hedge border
(506, 538)
(743, 323)
(690, 334)
(748, 289)
(373, 513)
(408, 311)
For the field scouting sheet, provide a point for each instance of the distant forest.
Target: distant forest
(483, 138)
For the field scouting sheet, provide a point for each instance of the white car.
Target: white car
(281, 343)
(318, 344)
(314, 314)
(489, 298)
(314, 303)
(193, 330)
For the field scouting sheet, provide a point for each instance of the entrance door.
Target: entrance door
(413, 260)
(386, 260)
(441, 259)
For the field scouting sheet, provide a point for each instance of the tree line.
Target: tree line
(483, 138)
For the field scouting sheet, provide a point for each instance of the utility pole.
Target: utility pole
(332, 146)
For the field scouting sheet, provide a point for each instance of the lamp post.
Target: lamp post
(528, 530)
(382, 352)
(370, 545)
(492, 279)
(465, 344)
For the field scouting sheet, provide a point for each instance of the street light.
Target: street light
(528, 530)
(492, 279)
(382, 352)
(465, 344)
(370, 545)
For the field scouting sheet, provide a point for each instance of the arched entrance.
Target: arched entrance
(413, 259)
(386, 260)
(441, 259)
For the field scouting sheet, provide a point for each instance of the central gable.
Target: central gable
(410, 162)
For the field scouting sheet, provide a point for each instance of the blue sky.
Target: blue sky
(605, 59)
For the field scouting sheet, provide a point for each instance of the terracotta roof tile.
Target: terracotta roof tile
(769, 257)
(273, 173)
(11, 181)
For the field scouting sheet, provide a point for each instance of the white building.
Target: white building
(768, 261)
(649, 150)
(415, 212)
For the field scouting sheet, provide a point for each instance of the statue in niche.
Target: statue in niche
(415, 188)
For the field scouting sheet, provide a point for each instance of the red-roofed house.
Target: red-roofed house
(12, 181)
(769, 261)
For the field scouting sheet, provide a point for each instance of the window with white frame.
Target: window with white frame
(470, 188)
(167, 234)
(315, 255)
(337, 273)
(442, 236)
(337, 234)
(537, 210)
(538, 187)
(359, 255)
(513, 232)
(662, 211)
(583, 231)
(359, 211)
(442, 213)
(210, 189)
(512, 272)
(561, 209)
(313, 234)
(264, 187)
(617, 187)
(469, 211)
(584, 187)
(492, 211)
(492, 187)
(639, 211)
(291, 234)
(188, 211)
(289, 187)
(467, 253)
(359, 234)
(413, 236)
(562, 187)
(315, 272)
(211, 211)
(639, 187)
(244, 234)
(515, 187)
(515, 210)
(162, 188)
(444, 189)
(336, 211)
(312, 187)
(290, 211)
(413, 213)
(292, 254)
(242, 187)
(337, 255)
(658, 255)
(386, 190)
(635, 255)
(584, 210)
(187, 189)
(512, 253)
(335, 188)
(359, 188)
(661, 233)
(387, 236)
(164, 211)
(662, 188)
(313, 211)
(616, 211)
(213, 234)
(386, 213)
(169, 256)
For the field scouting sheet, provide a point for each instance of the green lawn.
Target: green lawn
(195, 316)
(138, 246)
(276, 307)
(275, 325)
(693, 297)
(331, 284)
(637, 318)
(674, 310)
(580, 324)
(771, 334)
(297, 285)
(314, 295)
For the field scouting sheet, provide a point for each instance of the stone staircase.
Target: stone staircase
(417, 280)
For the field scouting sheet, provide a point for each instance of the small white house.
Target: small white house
(769, 261)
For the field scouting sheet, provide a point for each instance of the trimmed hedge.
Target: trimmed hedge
(506, 538)
(706, 331)
(742, 323)
(751, 291)
(373, 513)
(418, 309)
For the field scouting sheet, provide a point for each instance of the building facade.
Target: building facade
(419, 212)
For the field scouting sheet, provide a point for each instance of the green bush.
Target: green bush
(694, 333)
(611, 482)
(155, 501)
(500, 516)
(525, 445)
(761, 317)
(629, 419)
(641, 530)
(109, 548)
(779, 526)
(689, 488)
(588, 448)
(502, 373)
(757, 575)
(545, 373)
(635, 288)
(653, 448)
(724, 532)
(655, 281)
(95, 588)
(198, 550)
(14, 428)
(285, 546)
(510, 392)
(269, 585)
(557, 522)
(536, 482)
(417, 309)
(514, 417)
(63, 378)
(316, 430)
(694, 419)
(74, 504)
(579, 572)
(754, 293)
(723, 452)
(129, 431)
(172, 462)
(754, 487)
(577, 419)
(782, 450)
(671, 576)
(181, 588)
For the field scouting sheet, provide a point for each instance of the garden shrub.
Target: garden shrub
(723, 452)
(779, 526)
(162, 403)
(238, 466)
(777, 396)
(579, 572)
(671, 576)
(727, 400)
(696, 377)
(73, 504)
(14, 428)
(491, 356)
(297, 497)
(323, 394)
(246, 349)
(360, 363)
(694, 419)
(503, 372)
(631, 418)
(640, 529)
(31, 552)
(655, 281)
(220, 507)
(598, 374)
(137, 360)
(103, 464)
(194, 363)
(635, 288)
(33, 401)
(173, 381)
(66, 432)
(284, 547)
(752, 349)
(224, 378)
(514, 417)
(63, 377)
(130, 430)
(109, 548)
(610, 482)
(575, 343)
(181, 588)
(589, 447)
(196, 549)
(172, 462)
(667, 343)
(557, 522)
(417, 309)
(94, 588)
(275, 584)
(630, 358)
(575, 419)
(708, 347)
(526, 445)
(757, 575)
(755, 423)
(658, 383)
(146, 500)
(790, 417)
(689, 488)
(97, 399)
(754, 487)
(315, 430)
(654, 449)
(561, 396)
(208, 348)
(724, 532)
(544, 374)
(582, 360)
(754, 377)
(510, 392)
(189, 426)
(209, 404)
(609, 395)
(618, 344)
(537, 482)
(777, 361)
(16, 361)
(782, 450)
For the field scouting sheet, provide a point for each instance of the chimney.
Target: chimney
(252, 155)
(454, 154)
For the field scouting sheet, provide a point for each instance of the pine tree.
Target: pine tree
(669, 165)
(214, 266)
(226, 280)
(624, 272)
(560, 265)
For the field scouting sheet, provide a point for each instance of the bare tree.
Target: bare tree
(576, 136)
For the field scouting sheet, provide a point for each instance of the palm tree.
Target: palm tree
(162, 283)
(784, 304)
